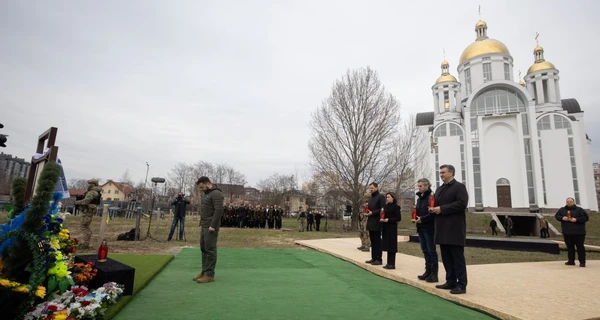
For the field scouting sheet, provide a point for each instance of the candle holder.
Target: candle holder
(103, 251)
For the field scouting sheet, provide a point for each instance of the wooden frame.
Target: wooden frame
(48, 137)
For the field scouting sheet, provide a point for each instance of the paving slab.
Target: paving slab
(530, 290)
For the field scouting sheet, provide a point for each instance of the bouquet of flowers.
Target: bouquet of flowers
(77, 303)
(83, 272)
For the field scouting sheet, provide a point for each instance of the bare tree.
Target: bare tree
(234, 177)
(410, 155)
(126, 178)
(220, 173)
(353, 134)
(180, 177)
(275, 187)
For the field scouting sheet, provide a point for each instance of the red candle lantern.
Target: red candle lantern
(569, 214)
(414, 214)
(431, 201)
(103, 251)
(381, 214)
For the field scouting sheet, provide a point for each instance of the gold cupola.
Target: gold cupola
(540, 63)
(446, 76)
(483, 44)
(521, 83)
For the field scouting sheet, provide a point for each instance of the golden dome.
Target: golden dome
(538, 49)
(521, 83)
(445, 78)
(480, 24)
(484, 46)
(445, 64)
(543, 65)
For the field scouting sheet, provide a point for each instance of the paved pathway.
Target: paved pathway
(536, 290)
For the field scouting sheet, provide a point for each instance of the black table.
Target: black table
(109, 271)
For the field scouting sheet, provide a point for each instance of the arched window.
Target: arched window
(444, 130)
(502, 182)
(497, 100)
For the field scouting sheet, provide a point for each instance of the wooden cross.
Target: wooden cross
(45, 140)
(537, 35)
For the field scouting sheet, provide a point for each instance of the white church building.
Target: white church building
(514, 144)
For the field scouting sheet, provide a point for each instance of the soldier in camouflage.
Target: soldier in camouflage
(365, 243)
(88, 208)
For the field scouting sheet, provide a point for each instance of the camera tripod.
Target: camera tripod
(148, 235)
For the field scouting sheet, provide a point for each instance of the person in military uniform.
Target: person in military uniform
(365, 242)
(302, 218)
(88, 208)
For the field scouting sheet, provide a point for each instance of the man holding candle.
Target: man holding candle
(375, 204)
(451, 201)
(425, 228)
(573, 219)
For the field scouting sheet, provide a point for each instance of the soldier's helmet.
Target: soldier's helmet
(93, 182)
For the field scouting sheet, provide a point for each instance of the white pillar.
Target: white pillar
(441, 97)
(557, 88)
(551, 90)
(436, 102)
(540, 91)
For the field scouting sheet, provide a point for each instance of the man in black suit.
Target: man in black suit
(375, 204)
(451, 201)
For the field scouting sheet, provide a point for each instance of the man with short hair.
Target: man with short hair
(375, 205)
(451, 200)
(211, 211)
(179, 216)
(572, 219)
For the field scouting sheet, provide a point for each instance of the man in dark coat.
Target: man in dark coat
(451, 201)
(573, 219)
(375, 204)
(318, 217)
(179, 204)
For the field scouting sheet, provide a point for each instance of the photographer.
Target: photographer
(180, 210)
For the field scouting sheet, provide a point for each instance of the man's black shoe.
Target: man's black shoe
(370, 261)
(376, 263)
(446, 286)
(570, 263)
(458, 290)
(582, 264)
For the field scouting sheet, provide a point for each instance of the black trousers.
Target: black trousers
(317, 225)
(375, 237)
(278, 223)
(494, 231)
(453, 258)
(573, 241)
(391, 258)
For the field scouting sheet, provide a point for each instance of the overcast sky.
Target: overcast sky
(130, 82)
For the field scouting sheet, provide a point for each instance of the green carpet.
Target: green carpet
(146, 267)
(283, 284)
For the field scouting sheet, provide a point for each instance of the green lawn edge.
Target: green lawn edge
(146, 268)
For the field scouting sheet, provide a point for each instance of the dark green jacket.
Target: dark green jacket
(211, 208)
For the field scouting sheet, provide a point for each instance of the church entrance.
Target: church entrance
(503, 193)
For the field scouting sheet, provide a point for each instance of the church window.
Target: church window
(474, 131)
(487, 72)
(506, 71)
(455, 130)
(562, 123)
(446, 100)
(440, 131)
(545, 89)
(497, 100)
(468, 81)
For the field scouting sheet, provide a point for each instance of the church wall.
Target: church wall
(501, 157)
(587, 186)
(557, 167)
(449, 149)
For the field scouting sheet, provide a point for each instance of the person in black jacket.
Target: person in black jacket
(376, 203)
(451, 201)
(426, 231)
(389, 228)
(180, 204)
(573, 219)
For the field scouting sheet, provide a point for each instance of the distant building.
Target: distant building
(11, 168)
(251, 196)
(115, 191)
(597, 180)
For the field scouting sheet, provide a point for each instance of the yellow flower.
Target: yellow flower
(40, 292)
(62, 273)
(21, 289)
(53, 270)
(4, 283)
(54, 243)
(60, 317)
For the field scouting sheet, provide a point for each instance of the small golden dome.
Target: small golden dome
(445, 78)
(445, 64)
(484, 46)
(521, 83)
(480, 24)
(543, 65)
(538, 49)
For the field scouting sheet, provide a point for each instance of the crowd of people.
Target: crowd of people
(248, 216)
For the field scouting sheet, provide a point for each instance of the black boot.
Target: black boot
(433, 277)
(427, 272)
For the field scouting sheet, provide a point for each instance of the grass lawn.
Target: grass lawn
(146, 268)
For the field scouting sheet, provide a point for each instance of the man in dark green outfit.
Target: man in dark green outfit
(211, 211)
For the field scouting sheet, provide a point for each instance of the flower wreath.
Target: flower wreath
(38, 270)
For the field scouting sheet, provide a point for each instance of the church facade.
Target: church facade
(514, 144)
